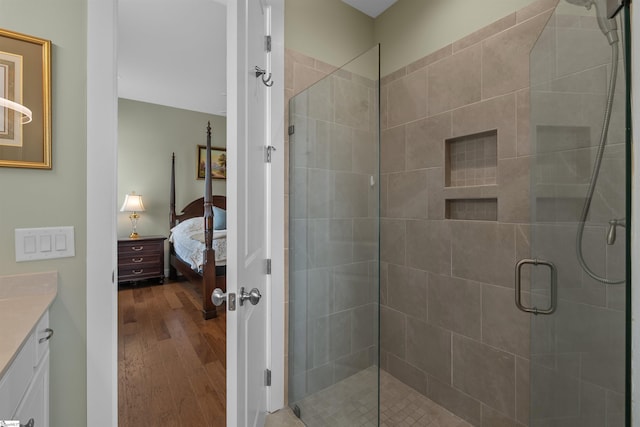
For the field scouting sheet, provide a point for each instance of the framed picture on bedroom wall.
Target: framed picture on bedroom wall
(25, 101)
(218, 162)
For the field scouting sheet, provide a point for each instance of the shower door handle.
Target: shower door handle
(553, 273)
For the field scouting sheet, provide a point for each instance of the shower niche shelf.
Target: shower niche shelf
(472, 209)
(472, 160)
(471, 166)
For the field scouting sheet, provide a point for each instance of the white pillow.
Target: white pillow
(190, 226)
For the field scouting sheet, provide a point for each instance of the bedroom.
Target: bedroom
(158, 118)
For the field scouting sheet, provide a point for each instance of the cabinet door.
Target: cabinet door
(35, 403)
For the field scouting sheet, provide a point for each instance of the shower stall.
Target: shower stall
(458, 230)
(334, 246)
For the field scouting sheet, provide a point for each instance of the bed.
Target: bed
(194, 245)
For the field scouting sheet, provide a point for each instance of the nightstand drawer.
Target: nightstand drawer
(141, 272)
(136, 247)
(139, 258)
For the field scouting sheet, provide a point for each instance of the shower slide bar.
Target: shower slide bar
(553, 272)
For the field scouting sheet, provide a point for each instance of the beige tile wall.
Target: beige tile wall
(449, 327)
(333, 240)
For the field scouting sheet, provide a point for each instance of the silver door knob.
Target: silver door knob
(253, 296)
(218, 297)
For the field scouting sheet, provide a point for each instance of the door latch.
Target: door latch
(218, 297)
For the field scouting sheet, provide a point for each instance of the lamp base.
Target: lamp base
(134, 235)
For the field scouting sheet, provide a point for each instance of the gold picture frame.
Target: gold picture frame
(218, 162)
(25, 78)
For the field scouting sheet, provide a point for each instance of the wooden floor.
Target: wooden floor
(171, 362)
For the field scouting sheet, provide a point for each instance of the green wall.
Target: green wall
(328, 30)
(411, 29)
(333, 32)
(147, 135)
(40, 198)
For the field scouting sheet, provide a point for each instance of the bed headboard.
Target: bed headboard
(196, 209)
(193, 209)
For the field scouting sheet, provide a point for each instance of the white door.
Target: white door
(248, 122)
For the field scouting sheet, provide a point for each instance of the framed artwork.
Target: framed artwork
(25, 80)
(218, 162)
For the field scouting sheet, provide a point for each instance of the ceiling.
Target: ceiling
(373, 8)
(163, 62)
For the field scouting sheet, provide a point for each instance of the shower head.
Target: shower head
(608, 26)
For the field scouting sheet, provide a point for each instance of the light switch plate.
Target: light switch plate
(44, 243)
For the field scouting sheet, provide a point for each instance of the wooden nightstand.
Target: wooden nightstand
(141, 258)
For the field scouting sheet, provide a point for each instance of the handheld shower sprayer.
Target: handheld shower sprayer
(609, 27)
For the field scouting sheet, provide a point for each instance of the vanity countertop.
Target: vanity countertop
(24, 298)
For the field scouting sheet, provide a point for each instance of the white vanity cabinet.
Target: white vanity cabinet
(24, 388)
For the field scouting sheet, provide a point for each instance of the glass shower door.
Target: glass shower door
(334, 247)
(577, 235)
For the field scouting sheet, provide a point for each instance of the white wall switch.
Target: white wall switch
(44, 243)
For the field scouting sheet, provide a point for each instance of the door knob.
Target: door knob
(218, 297)
(253, 296)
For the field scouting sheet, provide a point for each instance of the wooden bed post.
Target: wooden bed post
(173, 273)
(209, 273)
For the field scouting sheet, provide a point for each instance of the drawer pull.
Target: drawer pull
(137, 248)
(138, 271)
(137, 260)
(49, 332)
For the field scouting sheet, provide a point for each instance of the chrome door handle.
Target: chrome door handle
(554, 286)
(218, 297)
(253, 296)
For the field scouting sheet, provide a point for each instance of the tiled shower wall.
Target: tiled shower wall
(301, 71)
(449, 326)
(333, 230)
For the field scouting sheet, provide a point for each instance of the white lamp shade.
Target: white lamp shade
(132, 203)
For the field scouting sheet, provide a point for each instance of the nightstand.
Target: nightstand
(141, 258)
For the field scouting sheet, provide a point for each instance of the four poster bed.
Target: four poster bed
(194, 245)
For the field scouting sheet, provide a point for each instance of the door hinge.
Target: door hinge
(267, 43)
(292, 129)
(268, 263)
(267, 153)
(267, 377)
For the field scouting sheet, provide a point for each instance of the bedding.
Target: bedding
(188, 241)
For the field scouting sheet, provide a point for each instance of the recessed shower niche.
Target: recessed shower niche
(471, 165)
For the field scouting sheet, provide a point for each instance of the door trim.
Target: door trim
(102, 128)
(277, 296)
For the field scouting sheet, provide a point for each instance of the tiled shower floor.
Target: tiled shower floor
(351, 402)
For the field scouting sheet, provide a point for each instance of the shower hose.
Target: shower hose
(596, 170)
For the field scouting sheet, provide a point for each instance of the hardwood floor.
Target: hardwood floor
(171, 362)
